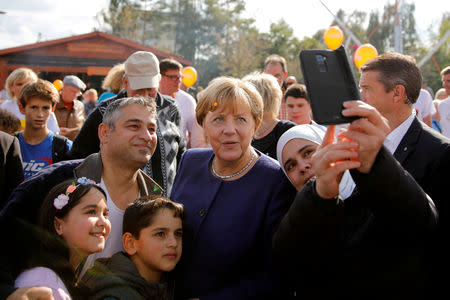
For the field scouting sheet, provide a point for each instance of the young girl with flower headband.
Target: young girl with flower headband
(73, 224)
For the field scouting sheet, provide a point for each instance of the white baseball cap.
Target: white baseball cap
(142, 70)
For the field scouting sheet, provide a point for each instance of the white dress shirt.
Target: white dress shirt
(394, 138)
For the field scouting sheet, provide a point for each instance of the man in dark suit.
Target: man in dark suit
(11, 172)
(391, 83)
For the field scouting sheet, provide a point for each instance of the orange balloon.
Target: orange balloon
(364, 53)
(58, 84)
(189, 76)
(333, 37)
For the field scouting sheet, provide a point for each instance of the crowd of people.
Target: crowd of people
(146, 192)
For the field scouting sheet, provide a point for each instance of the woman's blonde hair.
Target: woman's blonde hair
(269, 89)
(227, 91)
(16, 75)
(113, 80)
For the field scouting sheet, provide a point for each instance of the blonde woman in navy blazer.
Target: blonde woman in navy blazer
(234, 197)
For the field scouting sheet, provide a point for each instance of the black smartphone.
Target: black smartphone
(329, 82)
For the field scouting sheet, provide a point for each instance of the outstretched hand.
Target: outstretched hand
(330, 161)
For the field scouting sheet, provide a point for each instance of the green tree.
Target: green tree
(221, 39)
(441, 58)
(281, 40)
(156, 23)
(244, 51)
(120, 18)
(186, 22)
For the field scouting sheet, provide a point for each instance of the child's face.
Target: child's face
(18, 85)
(37, 112)
(86, 226)
(159, 245)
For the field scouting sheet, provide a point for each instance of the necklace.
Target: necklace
(234, 174)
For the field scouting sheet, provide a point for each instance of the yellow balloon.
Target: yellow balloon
(333, 37)
(189, 76)
(364, 53)
(58, 84)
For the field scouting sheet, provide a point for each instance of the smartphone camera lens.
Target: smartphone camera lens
(321, 63)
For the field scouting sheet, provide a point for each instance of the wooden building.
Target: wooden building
(89, 56)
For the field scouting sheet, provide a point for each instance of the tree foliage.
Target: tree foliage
(121, 19)
(220, 41)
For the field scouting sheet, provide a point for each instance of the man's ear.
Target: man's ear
(129, 243)
(103, 133)
(399, 94)
(21, 108)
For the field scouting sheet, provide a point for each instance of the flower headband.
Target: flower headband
(63, 199)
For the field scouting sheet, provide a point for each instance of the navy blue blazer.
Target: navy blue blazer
(227, 248)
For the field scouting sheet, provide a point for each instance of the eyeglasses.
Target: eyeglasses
(173, 77)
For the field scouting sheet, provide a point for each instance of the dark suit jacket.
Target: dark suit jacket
(425, 154)
(11, 171)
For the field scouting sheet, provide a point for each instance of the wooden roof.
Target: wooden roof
(92, 53)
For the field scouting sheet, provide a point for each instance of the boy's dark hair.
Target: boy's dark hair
(140, 213)
(41, 89)
(169, 64)
(9, 123)
(296, 90)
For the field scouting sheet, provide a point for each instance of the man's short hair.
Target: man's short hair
(113, 111)
(445, 71)
(141, 213)
(169, 64)
(276, 59)
(296, 90)
(397, 69)
(41, 89)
